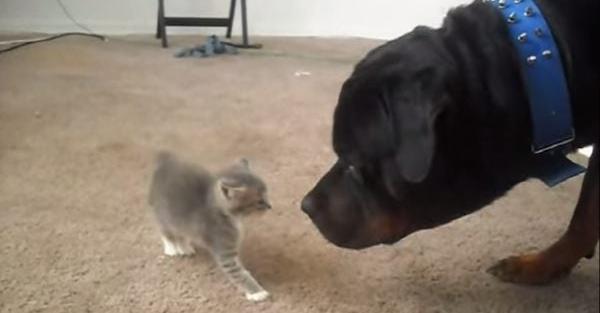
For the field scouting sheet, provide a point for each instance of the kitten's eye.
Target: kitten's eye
(225, 192)
(264, 204)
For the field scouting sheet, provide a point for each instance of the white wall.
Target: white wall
(367, 18)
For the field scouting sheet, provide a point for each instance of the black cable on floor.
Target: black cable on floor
(51, 38)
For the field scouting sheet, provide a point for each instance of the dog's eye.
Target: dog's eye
(355, 174)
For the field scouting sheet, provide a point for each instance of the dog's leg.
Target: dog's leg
(579, 240)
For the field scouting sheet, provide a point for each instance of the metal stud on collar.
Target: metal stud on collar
(518, 1)
(538, 32)
(528, 12)
(512, 18)
(531, 59)
(502, 4)
(522, 37)
(547, 54)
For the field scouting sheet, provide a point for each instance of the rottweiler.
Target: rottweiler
(435, 125)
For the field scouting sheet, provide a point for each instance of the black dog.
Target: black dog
(435, 125)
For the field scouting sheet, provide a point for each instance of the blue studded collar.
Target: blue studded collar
(546, 87)
(543, 73)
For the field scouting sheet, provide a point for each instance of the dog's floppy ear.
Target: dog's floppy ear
(417, 143)
(370, 123)
(414, 128)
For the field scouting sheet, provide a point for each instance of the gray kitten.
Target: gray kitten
(196, 209)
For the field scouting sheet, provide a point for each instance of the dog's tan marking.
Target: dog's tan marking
(578, 242)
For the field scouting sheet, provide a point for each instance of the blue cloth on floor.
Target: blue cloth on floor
(212, 46)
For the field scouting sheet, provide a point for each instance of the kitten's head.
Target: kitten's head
(242, 191)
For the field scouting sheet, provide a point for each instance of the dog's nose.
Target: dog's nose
(308, 205)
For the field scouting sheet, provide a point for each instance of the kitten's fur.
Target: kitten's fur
(196, 209)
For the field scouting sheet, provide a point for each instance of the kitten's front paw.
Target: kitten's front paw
(257, 296)
(169, 247)
(184, 249)
(170, 250)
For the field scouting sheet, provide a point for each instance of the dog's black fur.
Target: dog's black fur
(435, 125)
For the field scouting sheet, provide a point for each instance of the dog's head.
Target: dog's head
(385, 135)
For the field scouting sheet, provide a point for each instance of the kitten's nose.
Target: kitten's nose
(308, 205)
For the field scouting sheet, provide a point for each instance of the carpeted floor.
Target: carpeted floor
(81, 119)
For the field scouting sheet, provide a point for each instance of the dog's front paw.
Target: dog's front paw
(532, 269)
(257, 296)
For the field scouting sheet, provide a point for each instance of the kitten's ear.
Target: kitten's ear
(231, 188)
(245, 163)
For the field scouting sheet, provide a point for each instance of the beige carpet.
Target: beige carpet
(80, 120)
